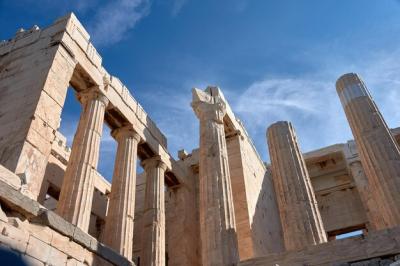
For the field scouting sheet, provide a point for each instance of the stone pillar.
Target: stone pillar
(301, 221)
(217, 219)
(375, 220)
(118, 233)
(379, 153)
(76, 195)
(153, 220)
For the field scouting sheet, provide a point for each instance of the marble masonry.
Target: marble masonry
(220, 204)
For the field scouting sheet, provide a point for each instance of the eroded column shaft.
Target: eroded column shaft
(76, 196)
(217, 219)
(301, 220)
(153, 220)
(118, 233)
(374, 217)
(379, 154)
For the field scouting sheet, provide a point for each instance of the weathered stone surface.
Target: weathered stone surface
(76, 194)
(15, 238)
(232, 196)
(10, 178)
(379, 153)
(217, 215)
(82, 238)
(339, 252)
(56, 222)
(153, 221)
(32, 261)
(301, 221)
(16, 200)
(38, 249)
(121, 210)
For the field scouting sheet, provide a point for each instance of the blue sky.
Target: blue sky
(274, 60)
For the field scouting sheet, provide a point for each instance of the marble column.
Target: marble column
(118, 233)
(75, 202)
(378, 151)
(153, 220)
(217, 219)
(300, 217)
(375, 220)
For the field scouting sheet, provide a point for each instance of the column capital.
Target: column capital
(208, 107)
(235, 133)
(154, 162)
(91, 94)
(125, 132)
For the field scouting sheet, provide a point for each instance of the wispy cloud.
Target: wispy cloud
(114, 19)
(177, 6)
(310, 102)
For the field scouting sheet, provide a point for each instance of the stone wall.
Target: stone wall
(34, 74)
(256, 213)
(377, 249)
(41, 237)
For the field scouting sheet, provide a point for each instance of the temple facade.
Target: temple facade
(220, 204)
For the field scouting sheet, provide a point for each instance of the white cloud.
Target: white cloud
(312, 105)
(114, 19)
(309, 102)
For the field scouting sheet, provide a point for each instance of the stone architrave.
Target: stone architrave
(217, 219)
(75, 202)
(300, 217)
(378, 151)
(153, 220)
(118, 233)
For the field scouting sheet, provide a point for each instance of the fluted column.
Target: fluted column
(76, 196)
(375, 220)
(118, 233)
(153, 220)
(217, 220)
(301, 220)
(379, 153)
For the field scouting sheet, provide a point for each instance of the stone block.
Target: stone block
(41, 232)
(82, 238)
(10, 178)
(71, 248)
(38, 249)
(56, 222)
(31, 261)
(17, 201)
(14, 238)
(72, 262)
(45, 104)
(56, 257)
(111, 255)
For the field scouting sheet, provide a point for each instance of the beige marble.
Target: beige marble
(153, 220)
(217, 215)
(118, 233)
(300, 217)
(378, 151)
(76, 195)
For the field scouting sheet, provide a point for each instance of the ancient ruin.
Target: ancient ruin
(218, 205)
